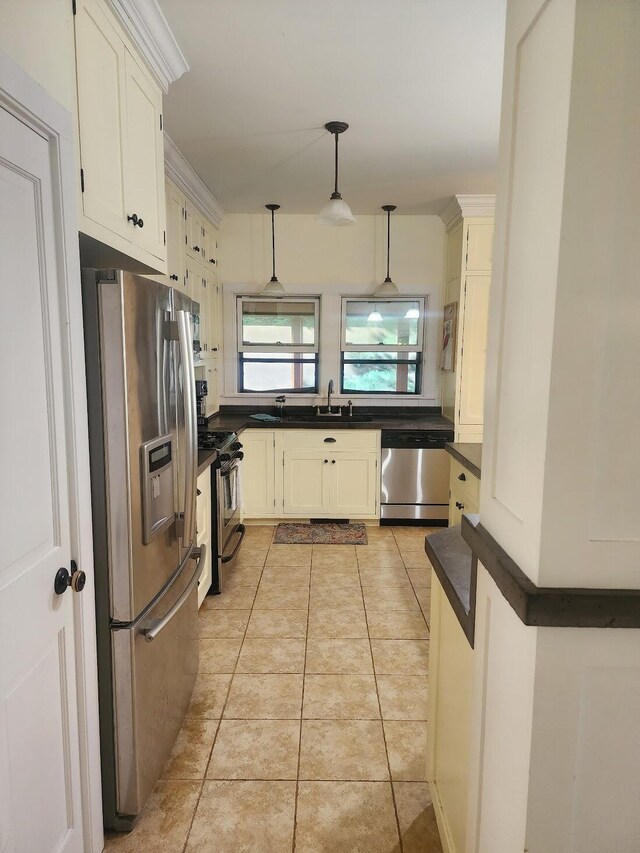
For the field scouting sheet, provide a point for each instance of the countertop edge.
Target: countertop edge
(455, 566)
(453, 448)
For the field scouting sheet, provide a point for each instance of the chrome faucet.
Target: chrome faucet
(329, 393)
(329, 413)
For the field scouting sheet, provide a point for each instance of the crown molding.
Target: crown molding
(463, 206)
(147, 27)
(177, 167)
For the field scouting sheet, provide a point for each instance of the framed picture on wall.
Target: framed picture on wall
(448, 350)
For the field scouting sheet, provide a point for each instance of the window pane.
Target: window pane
(278, 322)
(380, 355)
(386, 378)
(395, 322)
(279, 373)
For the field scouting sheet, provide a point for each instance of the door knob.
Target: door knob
(76, 580)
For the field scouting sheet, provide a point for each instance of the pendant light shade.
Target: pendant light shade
(387, 288)
(375, 316)
(336, 211)
(273, 287)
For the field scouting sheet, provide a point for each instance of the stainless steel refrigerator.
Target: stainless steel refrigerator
(139, 340)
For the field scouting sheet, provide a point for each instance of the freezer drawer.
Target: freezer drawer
(153, 682)
(414, 476)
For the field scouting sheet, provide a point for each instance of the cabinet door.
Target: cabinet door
(306, 483)
(354, 483)
(175, 236)
(459, 504)
(101, 110)
(212, 375)
(203, 530)
(210, 245)
(258, 473)
(144, 159)
(454, 253)
(213, 313)
(479, 247)
(194, 232)
(193, 281)
(474, 348)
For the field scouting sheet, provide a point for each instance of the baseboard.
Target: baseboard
(441, 820)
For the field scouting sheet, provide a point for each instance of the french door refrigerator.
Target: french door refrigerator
(142, 420)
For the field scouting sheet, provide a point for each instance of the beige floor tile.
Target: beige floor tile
(407, 748)
(381, 559)
(340, 697)
(338, 657)
(346, 817)
(419, 577)
(417, 818)
(255, 749)
(335, 572)
(264, 697)
(375, 533)
(403, 697)
(333, 551)
(343, 749)
(397, 625)
(259, 532)
(334, 561)
(423, 594)
(243, 575)
(333, 623)
(289, 555)
(286, 575)
(330, 596)
(400, 657)
(164, 823)
(191, 751)
(335, 580)
(275, 596)
(387, 597)
(252, 555)
(383, 576)
(209, 695)
(271, 655)
(238, 598)
(221, 623)
(244, 817)
(278, 623)
(219, 655)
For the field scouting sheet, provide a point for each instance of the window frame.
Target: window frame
(244, 350)
(417, 348)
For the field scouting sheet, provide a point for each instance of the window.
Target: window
(382, 346)
(277, 345)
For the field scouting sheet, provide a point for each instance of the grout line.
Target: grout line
(304, 668)
(384, 736)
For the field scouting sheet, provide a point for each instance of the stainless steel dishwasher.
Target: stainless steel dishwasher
(415, 477)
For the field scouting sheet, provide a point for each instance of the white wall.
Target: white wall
(38, 36)
(316, 259)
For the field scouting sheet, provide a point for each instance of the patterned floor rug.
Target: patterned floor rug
(321, 534)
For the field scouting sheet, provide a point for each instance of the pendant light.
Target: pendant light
(387, 288)
(273, 287)
(375, 316)
(336, 211)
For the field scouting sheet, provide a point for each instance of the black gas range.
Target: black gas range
(220, 440)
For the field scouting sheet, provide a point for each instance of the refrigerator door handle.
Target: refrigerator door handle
(156, 625)
(188, 392)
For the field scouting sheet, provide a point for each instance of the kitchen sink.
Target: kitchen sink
(325, 419)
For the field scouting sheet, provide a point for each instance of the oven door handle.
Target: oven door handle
(241, 529)
(151, 632)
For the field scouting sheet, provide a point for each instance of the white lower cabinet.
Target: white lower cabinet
(311, 473)
(203, 530)
(258, 473)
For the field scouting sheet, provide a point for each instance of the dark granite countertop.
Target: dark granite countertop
(467, 454)
(397, 420)
(453, 563)
(205, 458)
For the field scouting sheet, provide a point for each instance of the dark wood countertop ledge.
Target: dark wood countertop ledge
(550, 607)
(467, 454)
(453, 563)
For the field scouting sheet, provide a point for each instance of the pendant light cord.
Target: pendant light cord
(388, 241)
(273, 243)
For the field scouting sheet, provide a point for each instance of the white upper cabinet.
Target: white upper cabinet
(121, 141)
(175, 240)
(194, 232)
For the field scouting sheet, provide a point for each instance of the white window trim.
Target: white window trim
(346, 347)
(242, 346)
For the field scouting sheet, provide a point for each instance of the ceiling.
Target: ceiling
(418, 81)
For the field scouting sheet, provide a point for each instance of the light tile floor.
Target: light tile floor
(307, 728)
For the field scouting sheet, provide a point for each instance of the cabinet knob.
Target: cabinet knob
(459, 505)
(325, 461)
(462, 477)
(329, 441)
(212, 260)
(196, 248)
(333, 461)
(215, 349)
(136, 220)
(173, 277)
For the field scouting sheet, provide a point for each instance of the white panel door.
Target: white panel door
(144, 160)
(354, 483)
(306, 483)
(40, 802)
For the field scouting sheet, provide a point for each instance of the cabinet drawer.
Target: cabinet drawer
(316, 439)
(465, 482)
